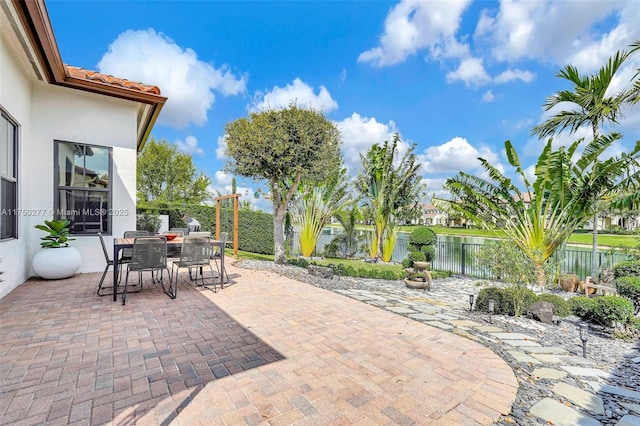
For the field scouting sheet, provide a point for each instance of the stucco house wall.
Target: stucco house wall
(50, 101)
(15, 99)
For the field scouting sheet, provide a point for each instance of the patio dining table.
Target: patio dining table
(123, 243)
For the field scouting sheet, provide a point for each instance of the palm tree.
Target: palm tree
(348, 241)
(562, 197)
(591, 105)
(390, 193)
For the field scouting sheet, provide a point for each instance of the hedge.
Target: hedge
(630, 268)
(255, 229)
(629, 287)
(603, 310)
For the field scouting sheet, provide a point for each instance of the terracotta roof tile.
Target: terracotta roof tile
(84, 74)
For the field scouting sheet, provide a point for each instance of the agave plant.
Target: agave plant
(58, 233)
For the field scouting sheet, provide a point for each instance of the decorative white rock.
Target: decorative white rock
(56, 263)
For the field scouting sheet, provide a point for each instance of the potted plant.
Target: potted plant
(56, 259)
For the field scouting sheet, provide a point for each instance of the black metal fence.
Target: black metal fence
(462, 258)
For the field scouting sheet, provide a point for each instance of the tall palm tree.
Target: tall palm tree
(390, 192)
(562, 197)
(590, 103)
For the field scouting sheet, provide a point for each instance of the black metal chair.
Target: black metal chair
(196, 251)
(109, 263)
(218, 255)
(148, 254)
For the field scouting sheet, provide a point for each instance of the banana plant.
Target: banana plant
(562, 197)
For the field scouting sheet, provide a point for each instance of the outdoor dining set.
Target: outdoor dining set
(168, 253)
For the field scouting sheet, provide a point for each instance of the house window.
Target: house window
(8, 177)
(83, 187)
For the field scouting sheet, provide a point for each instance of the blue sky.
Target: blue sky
(457, 78)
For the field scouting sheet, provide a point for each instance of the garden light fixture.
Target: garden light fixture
(584, 336)
(470, 302)
(492, 307)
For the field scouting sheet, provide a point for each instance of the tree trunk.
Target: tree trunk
(278, 231)
(594, 252)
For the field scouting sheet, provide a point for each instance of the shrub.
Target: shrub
(421, 240)
(482, 301)
(506, 262)
(516, 300)
(610, 310)
(630, 268)
(331, 250)
(629, 287)
(582, 306)
(422, 236)
(604, 310)
(148, 222)
(561, 307)
(429, 253)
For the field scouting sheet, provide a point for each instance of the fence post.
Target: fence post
(463, 258)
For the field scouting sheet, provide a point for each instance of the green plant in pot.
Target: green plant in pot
(56, 259)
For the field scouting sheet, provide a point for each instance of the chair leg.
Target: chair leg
(104, 274)
(126, 283)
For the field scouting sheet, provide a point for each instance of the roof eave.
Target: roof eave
(35, 20)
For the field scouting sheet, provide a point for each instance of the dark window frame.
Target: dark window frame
(11, 212)
(62, 186)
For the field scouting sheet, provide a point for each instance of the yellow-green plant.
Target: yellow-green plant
(313, 210)
(390, 238)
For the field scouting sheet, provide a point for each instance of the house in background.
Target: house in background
(431, 215)
(69, 140)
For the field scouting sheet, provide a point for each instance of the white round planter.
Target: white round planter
(56, 263)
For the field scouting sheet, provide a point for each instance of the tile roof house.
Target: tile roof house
(69, 139)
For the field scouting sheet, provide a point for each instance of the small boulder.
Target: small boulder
(320, 271)
(542, 311)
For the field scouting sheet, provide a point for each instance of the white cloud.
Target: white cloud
(541, 30)
(488, 96)
(456, 155)
(413, 25)
(221, 184)
(515, 74)
(190, 146)
(299, 93)
(221, 147)
(434, 187)
(471, 72)
(188, 82)
(360, 133)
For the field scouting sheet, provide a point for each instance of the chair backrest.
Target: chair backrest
(134, 234)
(184, 231)
(196, 250)
(149, 253)
(104, 248)
(223, 239)
(200, 234)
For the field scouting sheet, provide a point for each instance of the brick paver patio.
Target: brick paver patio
(265, 350)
